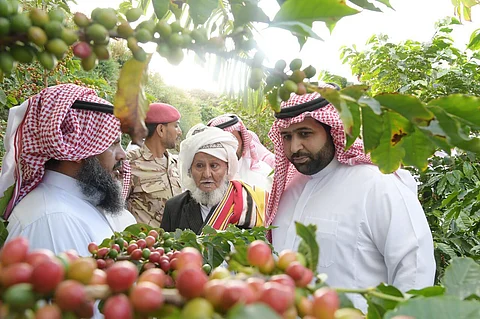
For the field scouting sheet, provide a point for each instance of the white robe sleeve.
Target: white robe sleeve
(57, 232)
(400, 231)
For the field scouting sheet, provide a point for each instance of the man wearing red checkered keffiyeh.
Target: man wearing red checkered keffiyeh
(371, 227)
(62, 168)
(252, 168)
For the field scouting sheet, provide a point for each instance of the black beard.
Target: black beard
(96, 182)
(318, 161)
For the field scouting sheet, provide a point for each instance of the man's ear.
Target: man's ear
(159, 130)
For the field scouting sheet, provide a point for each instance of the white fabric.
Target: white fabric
(7, 174)
(260, 176)
(199, 136)
(205, 210)
(57, 216)
(218, 152)
(370, 227)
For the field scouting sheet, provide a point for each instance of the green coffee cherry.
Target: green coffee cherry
(89, 62)
(57, 15)
(20, 23)
(97, 32)
(7, 63)
(22, 53)
(133, 14)
(57, 47)
(296, 64)
(4, 26)
(39, 17)
(53, 29)
(46, 59)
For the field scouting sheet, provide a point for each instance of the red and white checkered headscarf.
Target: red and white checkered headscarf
(51, 129)
(249, 148)
(284, 170)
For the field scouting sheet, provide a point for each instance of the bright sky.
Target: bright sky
(412, 19)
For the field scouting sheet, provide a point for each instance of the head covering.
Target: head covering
(299, 107)
(161, 113)
(231, 123)
(46, 127)
(210, 140)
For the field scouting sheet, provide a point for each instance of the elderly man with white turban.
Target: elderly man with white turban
(61, 171)
(255, 161)
(370, 226)
(208, 165)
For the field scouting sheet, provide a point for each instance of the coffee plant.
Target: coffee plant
(148, 273)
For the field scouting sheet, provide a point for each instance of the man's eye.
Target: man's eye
(304, 134)
(286, 137)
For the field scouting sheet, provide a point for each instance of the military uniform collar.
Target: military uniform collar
(148, 156)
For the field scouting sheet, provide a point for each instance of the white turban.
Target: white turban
(211, 140)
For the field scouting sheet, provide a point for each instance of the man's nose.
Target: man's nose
(296, 145)
(120, 156)
(207, 172)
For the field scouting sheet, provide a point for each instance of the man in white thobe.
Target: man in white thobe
(371, 227)
(64, 161)
(251, 169)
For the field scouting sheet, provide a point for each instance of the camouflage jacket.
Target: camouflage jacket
(154, 180)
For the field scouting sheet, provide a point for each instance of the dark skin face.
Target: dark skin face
(308, 146)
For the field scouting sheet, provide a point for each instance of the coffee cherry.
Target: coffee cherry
(69, 36)
(37, 36)
(53, 29)
(82, 269)
(190, 282)
(175, 56)
(22, 53)
(46, 59)
(297, 76)
(121, 276)
(146, 297)
(309, 72)
(70, 294)
(88, 64)
(19, 297)
(49, 312)
(290, 86)
(15, 274)
(97, 32)
(258, 253)
(57, 15)
(118, 307)
(280, 65)
(20, 23)
(133, 14)
(143, 35)
(57, 47)
(16, 250)
(176, 26)
(197, 308)
(107, 18)
(325, 303)
(163, 28)
(81, 20)
(47, 275)
(38, 17)
(102, 52)
(125, 30)
(4, 26)
(296, 64)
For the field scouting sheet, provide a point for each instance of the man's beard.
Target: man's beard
(210, 198)
(318, 161)
(96, 182)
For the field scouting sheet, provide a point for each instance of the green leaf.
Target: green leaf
(372, 129)
(408, 106)
(468, 169)
(454, 131)
(463, 107)
(334, 97)
(440, 307)
(384, 304)
(366, 5)
(474, 43)
(135, 229)
(3, 231)
(200, 10)
(296, 28)
(308, 11)
(308, 245)
(374, 311)
(3, 97)
(7, 195)
(418, 149)
(428, 291)
(386, 2)
(390, 152)
(161, 7)
(252, 311)
(355, 111)
(462, 278)
(247, 12)
(124, 6)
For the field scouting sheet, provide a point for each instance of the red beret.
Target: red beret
(162, 113)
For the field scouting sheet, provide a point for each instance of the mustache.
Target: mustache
(118, 165)
(207, 181)
(301, 154)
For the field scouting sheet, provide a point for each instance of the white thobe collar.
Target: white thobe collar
(333, 165)
(70, 185)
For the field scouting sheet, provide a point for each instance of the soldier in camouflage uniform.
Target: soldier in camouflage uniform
(155, 176)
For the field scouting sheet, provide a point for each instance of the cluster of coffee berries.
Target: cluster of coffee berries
(36, 34)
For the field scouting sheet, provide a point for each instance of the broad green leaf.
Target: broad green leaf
(428, 291)
(334, 97)
(355, 91)
(308, 245)
(408, 106)
(161, 7)
(296, 28)
(130, 103)
(462, 278)
(468, 169)
(446, 249)
(440, 307)
(7, 195)
(462, 106)
(247, 12)
(418, 149)
(3, 97)
(386, 2)
(366, 5)
(135, 229)
(252, 311)
(3, 231)
(124, 6)
(200, 10)
(355, 111)
(454, 132)
(382, 305)
(308, 11)
(372, 129)
(474, 43)
(390, 152)
(374, 311)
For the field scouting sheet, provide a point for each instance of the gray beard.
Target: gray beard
(210, 198)
(98, 185)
